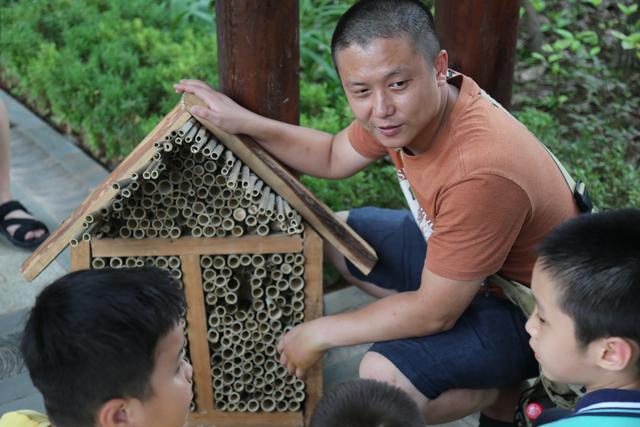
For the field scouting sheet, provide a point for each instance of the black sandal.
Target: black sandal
(25, 225)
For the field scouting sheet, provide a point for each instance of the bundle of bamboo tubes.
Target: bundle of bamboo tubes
(193, 186)
(251, 301)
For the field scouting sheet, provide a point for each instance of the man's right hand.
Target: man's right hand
(223, 112)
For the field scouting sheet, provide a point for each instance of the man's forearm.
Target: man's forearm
(403, 315)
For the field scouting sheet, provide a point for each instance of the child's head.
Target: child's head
(367, 403)
(586, 325)
(104, 349)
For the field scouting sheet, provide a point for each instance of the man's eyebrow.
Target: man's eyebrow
(398, 70)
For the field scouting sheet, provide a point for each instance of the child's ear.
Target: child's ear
(115, 413)
(617, 353)
(441, 64)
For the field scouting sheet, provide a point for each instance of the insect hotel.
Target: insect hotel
(241, 236)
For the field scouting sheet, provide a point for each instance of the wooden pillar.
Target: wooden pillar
(481, 40)
(258, 55)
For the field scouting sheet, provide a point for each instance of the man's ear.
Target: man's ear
(441, 65)
(115, 413)
(616, 353)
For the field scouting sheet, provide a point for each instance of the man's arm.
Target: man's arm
(433, 308)
(306, 150)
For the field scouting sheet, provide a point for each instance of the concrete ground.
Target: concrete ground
(51, 176)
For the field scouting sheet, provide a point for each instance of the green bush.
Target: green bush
(104, 68)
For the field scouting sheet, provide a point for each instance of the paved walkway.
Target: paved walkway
(51, 176)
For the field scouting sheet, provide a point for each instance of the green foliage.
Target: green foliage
(105, 68)
(376, 185)
(584, 104)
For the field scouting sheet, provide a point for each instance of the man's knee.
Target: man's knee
(377, 367)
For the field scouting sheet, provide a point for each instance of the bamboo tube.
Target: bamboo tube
(115, 262)
(268, 404)
(214, 320)
(233, 261)
(188, 138)
(186, 127)
(251, 221)
(260, 272)
(237, 231)
(231, 298)
(227, 224)
(98, 263)
(176, 274)
(200, 135)
(296, 283)
(258, 306)
(261, 316)
(196, 231)
(138, 234)
(297, 270)
(298, 316)
(212, 336)
(294, 406)
(286, 268)
(257, 188)
(262, 230)
(257, 292)
(211, 144)
(297, 306)
(253, 405)
(124, 232)
(232, 179)
(221, 405)
(216, 152)
(206, 261)
(272, 292)
(199, 142)
(210, 165)
(270, 207)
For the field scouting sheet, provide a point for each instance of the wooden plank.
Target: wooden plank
(246, 419)
(197, 331)
(102, 195)
(81, 256)
(312, 310)
(354, 248)
(195, 245)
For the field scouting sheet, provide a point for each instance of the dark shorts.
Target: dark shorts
(487, 348)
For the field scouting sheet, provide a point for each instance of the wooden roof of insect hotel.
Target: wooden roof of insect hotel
(246, 166)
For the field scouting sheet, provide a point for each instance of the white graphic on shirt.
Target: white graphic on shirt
(424, 223)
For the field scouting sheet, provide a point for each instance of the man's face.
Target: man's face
(171, 384)
(553, 337)
(391, 89)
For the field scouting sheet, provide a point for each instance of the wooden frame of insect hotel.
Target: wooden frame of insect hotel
(241, 236)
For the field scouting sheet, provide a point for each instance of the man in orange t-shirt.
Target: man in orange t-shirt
(482, 190)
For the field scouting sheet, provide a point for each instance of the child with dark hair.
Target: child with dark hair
(104, 347)
(367, 403)
(585, 328)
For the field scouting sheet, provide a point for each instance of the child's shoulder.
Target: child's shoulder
(24, 418)
(604, 408)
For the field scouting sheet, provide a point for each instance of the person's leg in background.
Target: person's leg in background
(15, 222)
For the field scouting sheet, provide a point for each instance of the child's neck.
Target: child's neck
(621, 381)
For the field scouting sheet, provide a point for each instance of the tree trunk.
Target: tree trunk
(258, 55)
(481, 40)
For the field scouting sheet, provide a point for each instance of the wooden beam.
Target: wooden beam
(480, 38)
(102, 195)
(197, 330)
(258, 55)
(312, 310)
(81, 256)
(197, 246)
(339, 234)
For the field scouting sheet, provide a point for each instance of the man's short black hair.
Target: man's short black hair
(595, 262)
(367, 403)
(92, 336)
(372, 19)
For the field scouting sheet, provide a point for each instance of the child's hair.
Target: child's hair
(371, 19)
(92, 336)
(595, 262)
(367, 403)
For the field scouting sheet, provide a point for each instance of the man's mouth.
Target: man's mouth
(388, 130)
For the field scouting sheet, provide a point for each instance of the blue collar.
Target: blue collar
(608, 395)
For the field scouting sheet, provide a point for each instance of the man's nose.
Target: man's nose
(383, 105)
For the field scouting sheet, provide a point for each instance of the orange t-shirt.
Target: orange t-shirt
(486, 186)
